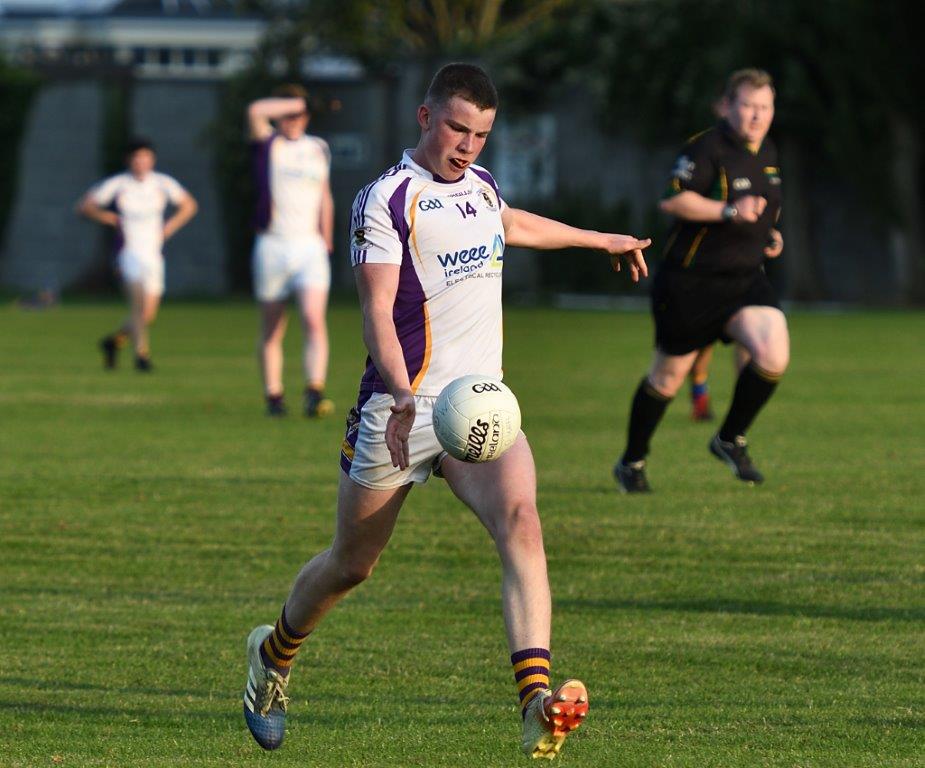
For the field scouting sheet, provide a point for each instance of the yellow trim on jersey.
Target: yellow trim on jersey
(694, 246)
(772, 170)
(674, 236)
(723, 184)
(696, 136)
(348, 450)
(427, 348)
(413, 235)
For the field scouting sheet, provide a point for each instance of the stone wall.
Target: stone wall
(47, 246)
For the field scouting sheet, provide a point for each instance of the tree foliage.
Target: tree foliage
(17, 89)
(380, 32)
(842, 69)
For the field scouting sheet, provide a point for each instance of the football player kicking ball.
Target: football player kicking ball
(428, 240)
(140, 197)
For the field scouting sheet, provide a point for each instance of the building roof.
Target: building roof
(39, 9)
(174, 8)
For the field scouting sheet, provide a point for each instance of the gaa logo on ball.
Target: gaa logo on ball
(476, 418)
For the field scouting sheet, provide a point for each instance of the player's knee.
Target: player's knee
(521, 527)
(312, 326)
(354, 570)
(772, 360)
(780, 363)
(666, 383)
(272, 336)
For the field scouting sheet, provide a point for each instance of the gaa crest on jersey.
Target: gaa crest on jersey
(684, 168)
(430, 204)
(741, 184)
(488, 201)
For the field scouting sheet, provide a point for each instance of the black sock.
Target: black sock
(753, 389)
(648, 408)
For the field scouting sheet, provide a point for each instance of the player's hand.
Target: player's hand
(398, 428)
(749, 209)
(775, 245)
(629, 248)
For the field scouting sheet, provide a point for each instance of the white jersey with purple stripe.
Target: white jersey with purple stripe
(290, 177)
(448, 240)
(140, 204)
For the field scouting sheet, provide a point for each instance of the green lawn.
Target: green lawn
(147, 523)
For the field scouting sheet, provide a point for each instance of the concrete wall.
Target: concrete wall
(361, 134)
(177, 116)
(47, 246)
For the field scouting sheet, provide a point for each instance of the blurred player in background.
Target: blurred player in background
(725, 194)
(134, 203)
(701, 406)
(427, 246)
(701, 409)
(295, 236)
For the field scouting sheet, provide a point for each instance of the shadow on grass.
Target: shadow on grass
(750, 608)
(65, 686)
(910, 722)
(229, 712)
(145, 596)
(119, 713)
(225, 707)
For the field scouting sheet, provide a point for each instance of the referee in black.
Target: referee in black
(725, 194)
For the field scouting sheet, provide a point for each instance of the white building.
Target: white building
(172, 39)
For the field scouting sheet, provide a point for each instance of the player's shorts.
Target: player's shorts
(364, 456)
(691, 310)
(283, 265)
(144, 269)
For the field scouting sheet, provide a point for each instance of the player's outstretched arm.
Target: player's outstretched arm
(527, 230)
(262, 111)
(377, 285)
(692, 206)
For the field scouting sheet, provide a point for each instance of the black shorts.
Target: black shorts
(691, 310)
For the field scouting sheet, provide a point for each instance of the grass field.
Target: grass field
(147, 523)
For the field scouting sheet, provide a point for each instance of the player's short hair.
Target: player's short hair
(754, 78)
(292, 91)
(138, 143)
(467, 81)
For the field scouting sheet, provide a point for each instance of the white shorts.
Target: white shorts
(144, 269)
(365, 457)
(283, 265)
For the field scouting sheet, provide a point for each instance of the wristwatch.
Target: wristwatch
(729, 212)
